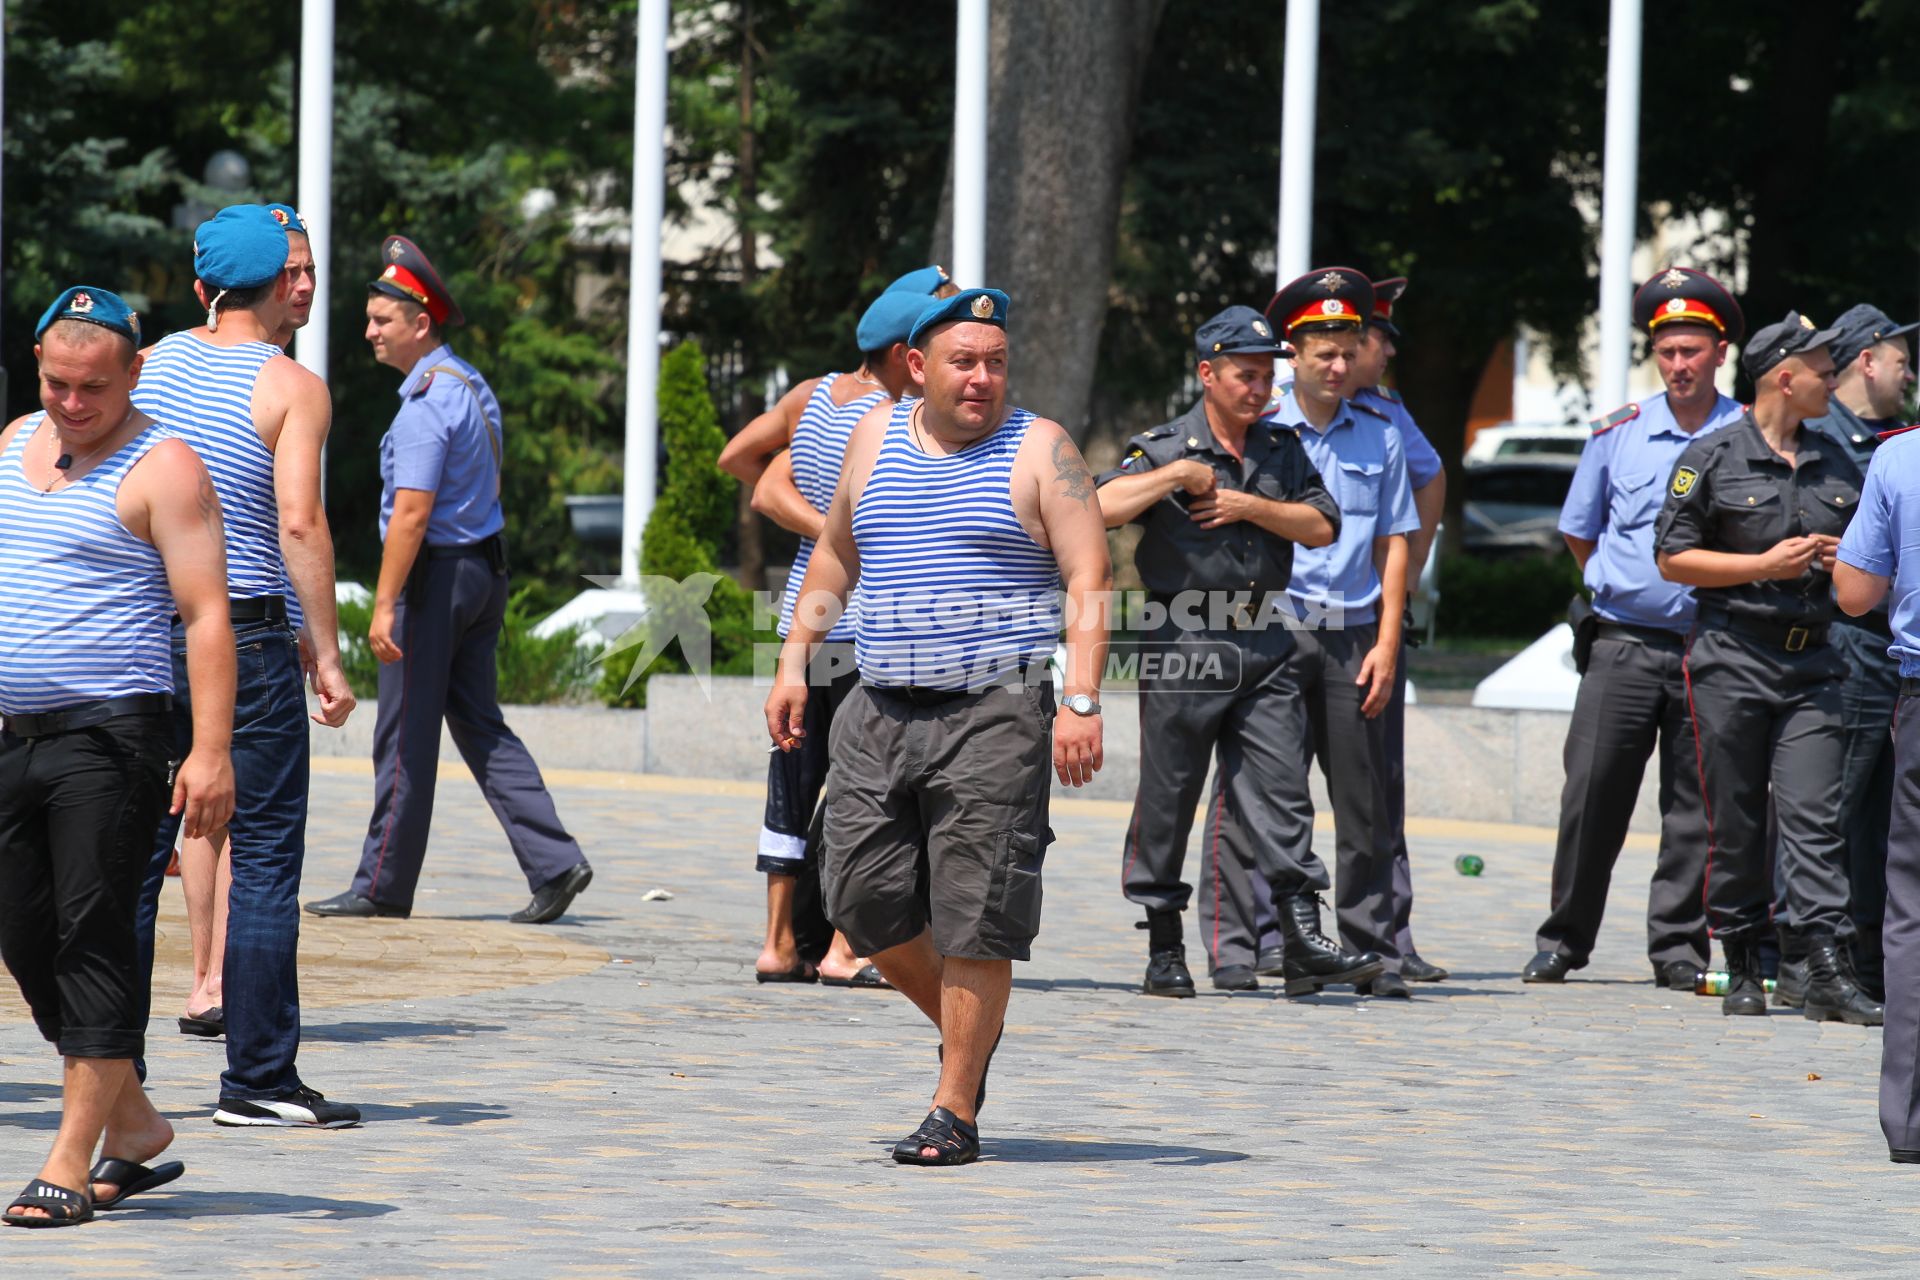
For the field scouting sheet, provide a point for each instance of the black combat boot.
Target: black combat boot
(1313, 959)
(1831, 993)
(1166, 956)
(1790, 988)
(1869, 963)
(1745, 997)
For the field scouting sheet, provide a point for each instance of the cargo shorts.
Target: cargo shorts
(937, 816)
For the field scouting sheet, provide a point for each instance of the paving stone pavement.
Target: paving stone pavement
(613, 1096)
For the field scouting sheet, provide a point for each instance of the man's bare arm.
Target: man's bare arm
(1856, 591)
(1430, 504)
(1075, 531)
(776, 497)
(406, 536)
(306, 542)
(746, 456)
(1582, 549)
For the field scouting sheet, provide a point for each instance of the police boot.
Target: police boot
(1790, 988)
(1166, 956)
(1313, 959)
(1831, 993)
(1745, 997)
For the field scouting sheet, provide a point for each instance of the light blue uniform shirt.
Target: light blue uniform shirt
(446, 440)
(1617, 492)
(1884, 539)
(1423, 460)
(1363, 463)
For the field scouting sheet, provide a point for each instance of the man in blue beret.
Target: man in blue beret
(1225, 500)
(794, 492)
(108, 525)
(958, 517)
(438, 609)
(260, 422)
(1873, 359)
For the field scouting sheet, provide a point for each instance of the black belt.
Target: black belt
(1659, 636)
(255, 609)
(453, 551)
(921, 695)
(40, 724)
(1791, 637)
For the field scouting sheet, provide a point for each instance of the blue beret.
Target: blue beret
(980, 306)
(923, 282)
(889, 320)
(94, 306)
(288, 217)
(241, 246)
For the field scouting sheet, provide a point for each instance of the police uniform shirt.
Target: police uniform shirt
(1177, 554)
(1617, 492)
(446, 440)
(1857, 435)
(1884, 539)
(1423, 460)
(1359, 457)
(1732, 492)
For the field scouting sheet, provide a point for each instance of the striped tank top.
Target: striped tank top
(204, 394)
(85, 610)
(953, 591)
(819, 445)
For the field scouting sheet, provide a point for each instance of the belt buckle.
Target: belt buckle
(1797, 638)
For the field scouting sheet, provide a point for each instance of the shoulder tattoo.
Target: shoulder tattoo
(1070, 470)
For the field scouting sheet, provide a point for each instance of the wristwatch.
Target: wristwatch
(1081, 705)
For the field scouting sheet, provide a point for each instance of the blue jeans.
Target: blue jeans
(267, 845)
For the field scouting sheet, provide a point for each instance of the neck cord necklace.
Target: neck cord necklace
(860, 376)
(64, 462)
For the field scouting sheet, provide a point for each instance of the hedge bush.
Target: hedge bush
(532, 669)
(1517, 596)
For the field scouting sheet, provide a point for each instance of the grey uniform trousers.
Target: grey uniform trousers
(1351, 749)
(1632, 702)
(1251, 716)
(1764, 716)
(1900, 1047)
(448, 626)
(1867, 700)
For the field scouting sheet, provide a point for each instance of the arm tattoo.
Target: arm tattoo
(209, 504)
(1071, 471)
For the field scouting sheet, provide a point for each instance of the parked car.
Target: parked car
(1513, 507)
(1514, 441)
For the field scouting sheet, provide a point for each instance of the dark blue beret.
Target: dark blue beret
(241, 246)
(980, 306)
(94, 306)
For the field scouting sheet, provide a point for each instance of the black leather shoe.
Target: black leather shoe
(1270, 964)
(352, 904)
(1546, 966)
(1677, 975)
(1388, 986)
(1313, 959)
(1414, 969)
(551, 900)
(1235, 977)
(1903, 1155)
(1167, 975)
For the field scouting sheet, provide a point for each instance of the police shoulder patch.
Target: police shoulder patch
(1684, 479)
(1159, 432)
(421, 389)
(1133, 455)
(1625, 413)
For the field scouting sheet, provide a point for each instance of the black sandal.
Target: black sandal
(980, 1095)
(64, 1208)
(953, 1140)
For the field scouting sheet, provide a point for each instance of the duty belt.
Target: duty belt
(921, 695)
(1659, 636)
(41, 724)
(254, 609)
(1793, 637)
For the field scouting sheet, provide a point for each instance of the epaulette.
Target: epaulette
(1897, 431)
(421, 389)
(1373, 409)
(1625, 413)
(1160, 432)
(1388, 393)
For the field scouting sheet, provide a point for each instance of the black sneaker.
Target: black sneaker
(303, 1107)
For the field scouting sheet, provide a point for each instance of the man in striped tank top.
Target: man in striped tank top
(259, 420)
(107, 525)
(794, 492)
(958, 516)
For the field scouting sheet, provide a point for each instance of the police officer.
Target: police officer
(1345, 604)
(1875, 372)
(1223, 502)
(438, 609)
(1876, 554)
(1633, 693)
(1752, 518)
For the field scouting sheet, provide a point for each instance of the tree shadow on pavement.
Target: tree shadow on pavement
(1074, 1151)
(236, 1204)
(433, 1112)
(361, 1032)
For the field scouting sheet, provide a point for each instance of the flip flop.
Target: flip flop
(131, 1178)
(867, 977)
(802, 972)
(65, 1208)
(208, 1022)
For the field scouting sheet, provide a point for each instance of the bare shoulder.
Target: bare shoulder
(288, 379)
(12, 429)
(172, 468)
(796, 398)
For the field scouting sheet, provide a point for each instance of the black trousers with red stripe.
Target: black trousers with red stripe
(1768, 721)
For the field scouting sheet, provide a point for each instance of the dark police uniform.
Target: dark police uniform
(1884, 539)
(1633, 694)
(446, 439)
(1244, 702)
(1762, 680)
(1867, 699)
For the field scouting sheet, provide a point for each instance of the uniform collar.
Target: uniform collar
(1667, 425)
(1808, 447)
(420, 367)
(1197, 433)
